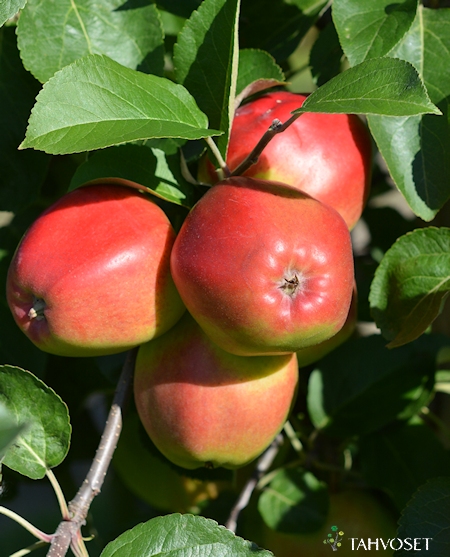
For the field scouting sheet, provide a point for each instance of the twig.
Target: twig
(263, 464)
(275, 128)
(68, 532)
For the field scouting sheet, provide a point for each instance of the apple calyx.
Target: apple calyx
(37, 311)
(290, 284)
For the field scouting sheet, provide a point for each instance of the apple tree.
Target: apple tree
(140, 93)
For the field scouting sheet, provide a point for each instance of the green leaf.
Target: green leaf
(346, 387)
(9, 8)
(21, 172)
(295, 502)
(142, 165)
(95, 103)
(386, 86)
(45, 442)
(55, 33)
(256, 65)
(426, 516)
(206, 61)
(369, 29)
(411, 283)
(417, 149)
(9, 430)
(178, 535)
(401, 457)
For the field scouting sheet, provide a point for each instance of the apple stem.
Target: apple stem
(274, 129)
(68, 532)
(263, 464)
(223, 165)
(37, 311)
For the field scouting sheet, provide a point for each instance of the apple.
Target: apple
(202, 406)
(357, 513)
(91, 275)
(153, 480)
(264, 268)
(326, 155)
(312, 354)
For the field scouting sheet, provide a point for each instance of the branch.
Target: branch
(68, 532)
(275, 128)
(263, 464)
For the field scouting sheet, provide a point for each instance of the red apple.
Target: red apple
(264, 268)
(326, 155)
(91, 275)
(202, 406)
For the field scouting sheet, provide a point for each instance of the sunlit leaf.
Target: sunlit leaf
(95, 103)
(55, 33)
(417, 149)
(9, 8)
(379, 86)
(178, 535)
(369, 29)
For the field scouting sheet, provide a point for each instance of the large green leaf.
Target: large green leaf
(295, 502)
(145, 166)
(401, 457)
(21, 172)
(45, 441)
(369, 29)
(417, 149)
(95, 103)
(9, 8)
(206, 61)
(411, 283)
(346, 387)
(378, 86)
(178, 535)
(427, 516)
(55, 33)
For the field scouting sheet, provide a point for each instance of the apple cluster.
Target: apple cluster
(263, 264)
